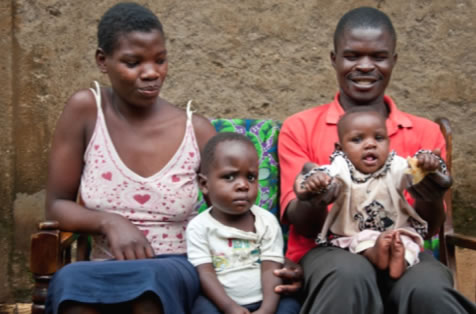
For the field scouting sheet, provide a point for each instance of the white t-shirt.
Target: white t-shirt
(236, 254)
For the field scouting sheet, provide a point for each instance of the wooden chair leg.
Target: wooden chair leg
(451, 261)
(40, 290)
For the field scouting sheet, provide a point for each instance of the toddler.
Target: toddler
(235, 245)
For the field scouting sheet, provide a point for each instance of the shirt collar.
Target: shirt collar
(396, 118)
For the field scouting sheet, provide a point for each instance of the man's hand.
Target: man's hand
(292, 276)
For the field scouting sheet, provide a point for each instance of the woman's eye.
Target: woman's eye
(131, 64)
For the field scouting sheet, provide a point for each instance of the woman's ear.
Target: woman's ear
(101, 60)
(203, 183)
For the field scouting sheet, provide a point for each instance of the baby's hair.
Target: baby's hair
(364, 17)
(208, 155)
(123, 18)
(354, 111)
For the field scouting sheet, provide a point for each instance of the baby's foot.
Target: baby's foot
(379, 254)
(397, 262)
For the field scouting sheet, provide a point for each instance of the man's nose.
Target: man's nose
(365, 64)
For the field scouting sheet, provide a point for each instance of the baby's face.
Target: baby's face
(365, 141)
(232, 181)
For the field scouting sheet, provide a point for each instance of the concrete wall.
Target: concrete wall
(267, 58)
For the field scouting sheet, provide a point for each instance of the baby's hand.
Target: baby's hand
(428, 161)
(434, 179)
(310, 182)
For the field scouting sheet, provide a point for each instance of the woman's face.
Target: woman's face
(137, 67)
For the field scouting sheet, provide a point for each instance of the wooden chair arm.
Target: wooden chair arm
(460, 240)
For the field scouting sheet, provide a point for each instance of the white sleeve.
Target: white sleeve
(399, 173)
(272, 243)
(198, 250)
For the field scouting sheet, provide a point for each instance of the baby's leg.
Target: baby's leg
(397, 264)
(379, 254)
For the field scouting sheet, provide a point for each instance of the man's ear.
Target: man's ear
(101, 60)
(203, 183)
(333, 58)
(337, 146)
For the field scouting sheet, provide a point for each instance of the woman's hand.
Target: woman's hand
(292, 276)
(126, 241)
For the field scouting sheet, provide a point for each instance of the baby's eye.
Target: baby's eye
(356, 139)
(161, 60)
(251, 178)
(380, 138)
(350, 57)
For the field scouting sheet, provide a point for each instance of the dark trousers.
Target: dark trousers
(337, 281)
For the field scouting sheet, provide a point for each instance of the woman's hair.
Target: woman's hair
(123, 18)
(208, 155)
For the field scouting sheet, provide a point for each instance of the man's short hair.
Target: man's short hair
(364, 17)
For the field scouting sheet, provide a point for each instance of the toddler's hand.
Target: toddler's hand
(236, 309)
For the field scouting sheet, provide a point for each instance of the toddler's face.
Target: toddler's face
(365, 141)
(232, 181)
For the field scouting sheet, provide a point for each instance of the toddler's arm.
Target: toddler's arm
(214, 290)
(268, 282)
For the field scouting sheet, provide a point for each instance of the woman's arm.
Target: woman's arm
(214, 290)
(65, 167)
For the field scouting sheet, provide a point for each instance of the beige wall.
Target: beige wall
(267, 58)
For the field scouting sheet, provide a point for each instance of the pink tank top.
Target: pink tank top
(160, 205)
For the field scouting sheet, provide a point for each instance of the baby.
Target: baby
(370, 215)
(235, 245)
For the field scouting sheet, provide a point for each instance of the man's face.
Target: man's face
(363, 60)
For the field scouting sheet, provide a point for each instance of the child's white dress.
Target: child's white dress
(370, 204)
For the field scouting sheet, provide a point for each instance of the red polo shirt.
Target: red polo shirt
(310, 135)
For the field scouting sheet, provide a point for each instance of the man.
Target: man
(336, 281)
